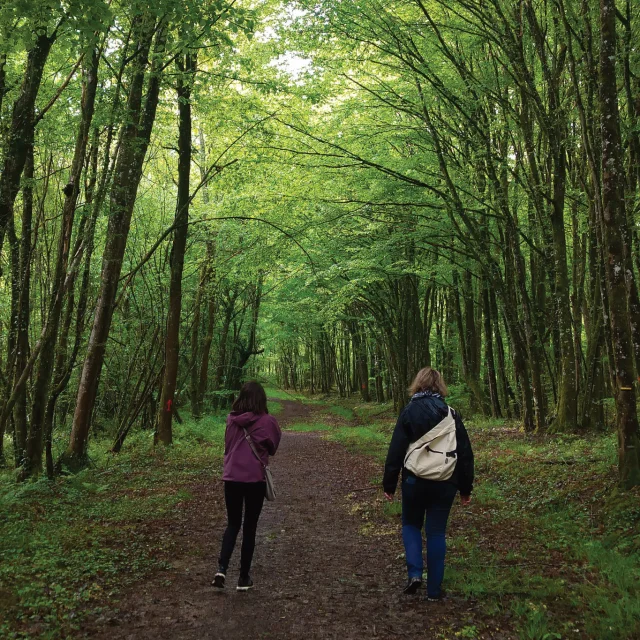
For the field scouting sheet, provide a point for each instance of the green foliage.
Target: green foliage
(534, 622)
(413, 145)
(568, 548)
(460, 398)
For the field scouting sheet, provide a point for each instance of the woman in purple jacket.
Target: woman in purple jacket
(244, 476)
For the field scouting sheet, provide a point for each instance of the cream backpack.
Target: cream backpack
(433, 457)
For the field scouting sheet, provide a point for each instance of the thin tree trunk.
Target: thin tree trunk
(20, 422)
(199, 363)
(222, 351)
(488, 354)
(534, 347)
(163, 434)
(206, 349)
(33, 459)
(378, 373)
(502, 369)
(468, 342)
(360, 360)
(148, 379)
(567, 406)
(196, 407)
(83, 247)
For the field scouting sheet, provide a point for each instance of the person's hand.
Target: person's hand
(465, 501)
(388, 496)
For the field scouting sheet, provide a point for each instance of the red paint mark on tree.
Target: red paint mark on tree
(169, 403)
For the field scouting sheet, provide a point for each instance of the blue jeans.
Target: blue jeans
(426, 503)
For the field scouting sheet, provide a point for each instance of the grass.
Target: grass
(275, 408)
(369, 411)
(307, 427)
(370, 439)
(340, 411)
(550, 539)
(67, 545)
(273, 393)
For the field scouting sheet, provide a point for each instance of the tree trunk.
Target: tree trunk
(21, 129)
(535, 349)
(128, 172)
(83, 247)
(196, 352)
(488, 355)
(33, 459)
(502, 369)
(468, 345)
(378, 373)
(21, 425)
(222, 351)
(206, 349)
(163, 434)
(567, 407)
(360, 360)
(616, 233)
(200, 360)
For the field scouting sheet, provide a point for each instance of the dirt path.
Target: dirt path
(316, 574)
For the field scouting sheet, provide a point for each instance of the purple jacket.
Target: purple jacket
(240, 465)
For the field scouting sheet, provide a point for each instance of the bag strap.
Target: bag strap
(253, 448)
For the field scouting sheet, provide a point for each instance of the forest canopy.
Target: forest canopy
(331, 195)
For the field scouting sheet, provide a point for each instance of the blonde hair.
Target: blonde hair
(428, 379)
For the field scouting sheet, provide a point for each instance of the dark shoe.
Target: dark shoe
(219, 579)
(413, 584)
(244, 583)
(439, 598)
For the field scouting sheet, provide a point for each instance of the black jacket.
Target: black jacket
(419, 416)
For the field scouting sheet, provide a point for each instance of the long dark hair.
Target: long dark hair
(251, 399)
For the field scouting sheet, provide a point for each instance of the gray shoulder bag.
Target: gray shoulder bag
(270, 493)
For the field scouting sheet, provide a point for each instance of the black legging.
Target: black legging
(235, 494)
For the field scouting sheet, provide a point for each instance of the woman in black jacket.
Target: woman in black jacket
(427, 502)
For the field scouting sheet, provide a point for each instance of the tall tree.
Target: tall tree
(186, 69)
(33, 458)
(616, 236)
(140, 117)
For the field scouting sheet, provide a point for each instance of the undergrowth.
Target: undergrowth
(66, 546)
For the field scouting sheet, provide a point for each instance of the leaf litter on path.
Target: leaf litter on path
(317, 575)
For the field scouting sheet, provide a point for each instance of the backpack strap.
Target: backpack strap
(247, 437)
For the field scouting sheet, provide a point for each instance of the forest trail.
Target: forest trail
(316, 574)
